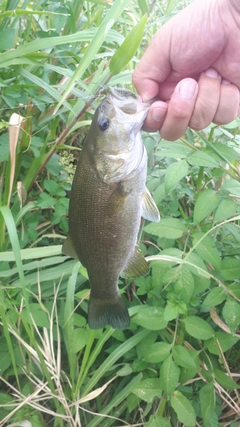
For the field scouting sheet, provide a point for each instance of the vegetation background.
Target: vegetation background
(179, 362)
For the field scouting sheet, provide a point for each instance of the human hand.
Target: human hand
(193, 65)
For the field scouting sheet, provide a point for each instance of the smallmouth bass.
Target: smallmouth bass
(107, 201)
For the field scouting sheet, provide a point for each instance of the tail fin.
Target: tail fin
(113, 312)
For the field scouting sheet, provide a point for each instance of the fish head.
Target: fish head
(117, 145)
(125, 110)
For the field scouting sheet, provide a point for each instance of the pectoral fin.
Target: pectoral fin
(117, 199)
(149, 207)
(137, 265)
(68, 248)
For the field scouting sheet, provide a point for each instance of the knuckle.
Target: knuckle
(199, 121)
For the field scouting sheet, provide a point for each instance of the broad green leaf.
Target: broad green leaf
(196, 265)
(225, 340)
(80, 338)
(230, 268)
(232, 186)
(198, 328)
(189, 373)
(224, 380)
(231, 313)
(206, 249)
(157, 269)
(207, 402)
(211, 420)
(157, 421)
(235, 288)
(51, 186)
(184, 409)
(216, 296)
(171, 228)
(148, 389)
(174, 150)
(200, 158)
(174, 173)
(228, 152)
(132, 402)
(182, 357)
(226, 209)
(206, 203)
(184, 285)
(125, 370)
(171, 311)
(5, 399)
(169, 375)
(157, 352)
(201, 284)
(159, 193)
(143, 347)
(128, 48)
(150, 318)
(79, 321)
(39, 315)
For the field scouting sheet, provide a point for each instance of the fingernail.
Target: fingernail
(187, 89)
(225, 82)
(211, 72)
(157, 114)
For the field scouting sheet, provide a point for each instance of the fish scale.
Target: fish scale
(107, 201)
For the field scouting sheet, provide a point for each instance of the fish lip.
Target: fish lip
(118, 93)
(122, 94)
(126, 101)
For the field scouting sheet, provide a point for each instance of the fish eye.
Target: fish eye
(103, 123)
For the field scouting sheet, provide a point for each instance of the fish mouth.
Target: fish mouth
(126, 100)
(119, 93)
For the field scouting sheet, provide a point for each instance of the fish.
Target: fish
(107, 200)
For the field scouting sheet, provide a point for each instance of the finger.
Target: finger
(228, 104)
(180, 109)
(207, 101)
(153, 68)
(156, 116)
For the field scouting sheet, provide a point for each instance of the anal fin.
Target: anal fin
(68, 248)
(137, 265)
(149, 207)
